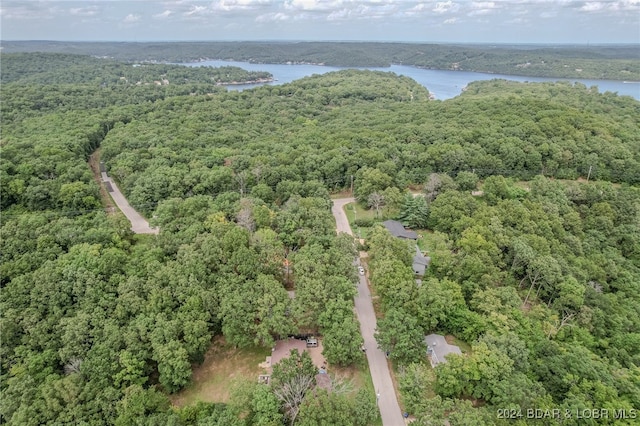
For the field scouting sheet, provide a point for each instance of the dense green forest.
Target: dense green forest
(50, 69)
(99, 324)
(290, 139)
(543, 283)
(610, 62)
(44, 82)
(539, 275)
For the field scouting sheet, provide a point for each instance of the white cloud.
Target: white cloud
(626, 5)
(131, 18)
(365, 10)
(163, 15)
(84, 11)
(482, 8)
(339, 15)
(230, 5)
(273, 17)
(420, 7)
(483, 5)
(16, 10)
(592, 6)
(418, 10)
(311, 5)
(172, 3)
(196, 10)
(445, 7)
(571, 19)
(478, 12)
(611, 6)
(338, 10)
(385, 9)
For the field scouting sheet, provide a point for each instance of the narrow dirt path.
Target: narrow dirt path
(94, 164)
(385, 392)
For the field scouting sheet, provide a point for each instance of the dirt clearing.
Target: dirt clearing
(211, 381)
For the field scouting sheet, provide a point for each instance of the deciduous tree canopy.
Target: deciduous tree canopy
(539, 275)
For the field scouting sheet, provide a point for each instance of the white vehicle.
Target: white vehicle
(360, 270)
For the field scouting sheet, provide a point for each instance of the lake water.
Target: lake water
(441, 83)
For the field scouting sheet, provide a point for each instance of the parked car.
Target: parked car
(360, 270)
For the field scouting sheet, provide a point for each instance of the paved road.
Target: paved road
(387, 400)
(138, 223)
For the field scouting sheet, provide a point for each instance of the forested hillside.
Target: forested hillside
(377, 127)
(41, 82)
(609, 62)
(539, 276)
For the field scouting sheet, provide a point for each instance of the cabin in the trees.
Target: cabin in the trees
(397, 229)
(438, 349)
(420, 262)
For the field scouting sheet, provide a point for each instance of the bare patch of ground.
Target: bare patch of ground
(284, 347)
(107, 202)
(211, 381)
(453, 340)
(223, 364)
(342, 194)
(355, 374)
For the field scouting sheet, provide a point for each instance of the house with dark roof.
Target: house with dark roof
(397, 229)
(438, 349)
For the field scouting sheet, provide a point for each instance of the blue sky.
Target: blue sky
(512, 21)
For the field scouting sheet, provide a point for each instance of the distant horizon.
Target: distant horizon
(586, 44)
(572, 22)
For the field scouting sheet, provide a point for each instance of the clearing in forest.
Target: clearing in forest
(211, 381)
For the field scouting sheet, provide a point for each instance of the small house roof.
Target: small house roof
(419, 269)
(438, 348)
(420, 262)
(420, 258)
(397, 229)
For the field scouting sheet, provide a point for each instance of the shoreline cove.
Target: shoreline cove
(442, 84)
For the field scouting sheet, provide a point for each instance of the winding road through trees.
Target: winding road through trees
(378, 366)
